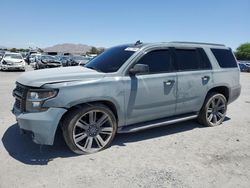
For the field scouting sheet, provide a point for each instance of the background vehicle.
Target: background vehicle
(244, 66)
(1, 54)
(27, 58)
(67, 60)
(33, 59)
(46, 61)
(128, 88)
(82, 60)
(12, 61)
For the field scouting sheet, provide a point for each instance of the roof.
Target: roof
(12, 53)
(197, 43)
(179, 44)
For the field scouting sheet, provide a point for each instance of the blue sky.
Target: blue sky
(111, 22)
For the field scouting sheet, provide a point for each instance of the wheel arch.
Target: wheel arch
(224, 90)
(110, 104)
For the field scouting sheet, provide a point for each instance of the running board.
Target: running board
(156, 123)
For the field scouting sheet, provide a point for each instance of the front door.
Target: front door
(153, 95)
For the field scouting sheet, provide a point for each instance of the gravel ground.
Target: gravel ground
(180, 155)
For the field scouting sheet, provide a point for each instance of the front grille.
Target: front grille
(20, 93)
(20, 90)
(18, 103)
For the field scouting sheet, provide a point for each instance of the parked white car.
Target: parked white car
(12, 61)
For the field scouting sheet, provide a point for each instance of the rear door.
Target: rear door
(193, 77)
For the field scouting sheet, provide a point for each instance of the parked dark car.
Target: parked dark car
(46, 61)
(1, 54)
(67, 60)
(244, 66)
(81, 60)
(27, 57)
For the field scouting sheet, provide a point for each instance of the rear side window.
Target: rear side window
(191, 59)
(158, 61)
(225, 58)
(204, 61)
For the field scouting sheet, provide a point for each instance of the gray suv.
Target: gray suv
(125, 89)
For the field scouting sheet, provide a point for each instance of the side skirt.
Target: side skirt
(156, 123)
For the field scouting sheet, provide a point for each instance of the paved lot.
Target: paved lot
(180, 155)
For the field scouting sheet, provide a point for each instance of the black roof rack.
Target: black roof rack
(198, 43)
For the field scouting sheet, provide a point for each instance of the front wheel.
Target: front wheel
(36, 66)
(89, 129)
(214, 110)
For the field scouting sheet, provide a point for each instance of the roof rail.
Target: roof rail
(198, 43)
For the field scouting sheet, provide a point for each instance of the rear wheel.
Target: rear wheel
(214, 110)
(89, 129)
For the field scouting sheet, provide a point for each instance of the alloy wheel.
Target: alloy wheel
(216, 110)
(93, 131)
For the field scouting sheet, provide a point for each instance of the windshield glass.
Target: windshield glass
(110, 60)
(48, 57)
(65, 57)
(13, 56)
(80, 58)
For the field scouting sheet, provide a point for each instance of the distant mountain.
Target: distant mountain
(69, 48)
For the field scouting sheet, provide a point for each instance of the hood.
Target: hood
(38, 78)
(12, 60)
(51, 61)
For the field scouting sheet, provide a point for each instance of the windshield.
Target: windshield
(65, 58)
(48, 57)
(111, 60)
(80, 58)
(13, 56)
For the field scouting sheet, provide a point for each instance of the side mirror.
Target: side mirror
(139, 68)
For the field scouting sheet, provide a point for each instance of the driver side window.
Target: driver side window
(159, 61)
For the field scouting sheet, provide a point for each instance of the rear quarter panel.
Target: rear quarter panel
(229, 77)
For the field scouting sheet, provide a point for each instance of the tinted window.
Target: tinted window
(204, 61)
(225, 58)
(187, 59)
(110, 60)
(158, 61)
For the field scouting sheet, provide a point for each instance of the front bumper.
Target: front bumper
(43, 125)
(12, 67)
(50, 65)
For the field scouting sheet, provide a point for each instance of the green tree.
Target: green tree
(13, 50)
(93, 50)
(40, 50)
(243, 52)
(100, 50)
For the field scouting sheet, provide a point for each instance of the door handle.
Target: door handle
(169, 82)
(205, 78)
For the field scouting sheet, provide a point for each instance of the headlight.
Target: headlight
(36, 98)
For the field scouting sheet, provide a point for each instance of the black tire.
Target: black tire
(69, 126)
(36, 66)
(218, 113)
